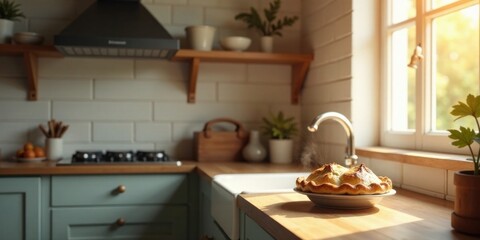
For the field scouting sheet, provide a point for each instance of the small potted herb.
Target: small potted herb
(466, 215)
(280, 130)
(269, 26)
(9, 12)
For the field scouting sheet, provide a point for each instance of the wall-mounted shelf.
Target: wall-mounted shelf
(30, 55)
(300, 64)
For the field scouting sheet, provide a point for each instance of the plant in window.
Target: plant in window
(465, 137)
(466, 215)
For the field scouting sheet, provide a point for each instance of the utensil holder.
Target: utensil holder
(54, 147)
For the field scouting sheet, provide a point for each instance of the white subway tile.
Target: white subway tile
(12, 67)
(112, 132)
(269, 73)
(222, 72)
(65, 89)
(206, 92)
(153, 132)
(222, 17)
(390, 169)
(77, 132)
(13, 88)
(254, 93)
(161, 70)
(102, 110)
(16, 132)
(243, 5)
(202, 112)
(23, 110)
(140, 90)
(86, 68)
(188, 15)
(53, 9)
(184, 130)
(433, 179)
(161, 12)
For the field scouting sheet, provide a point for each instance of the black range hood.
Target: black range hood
(116, 28)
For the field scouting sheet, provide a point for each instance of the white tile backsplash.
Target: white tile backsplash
(79, 89)
(118, 111)
(23, 110)
(188, 15)
(112, 132)
(153, 132)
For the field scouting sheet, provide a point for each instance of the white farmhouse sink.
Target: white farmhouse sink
(226, 187)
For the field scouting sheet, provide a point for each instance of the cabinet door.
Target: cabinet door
(95, 190)
(20, 208)
(250, 230)
(121, 222)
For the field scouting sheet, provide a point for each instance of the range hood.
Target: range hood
(116, 28)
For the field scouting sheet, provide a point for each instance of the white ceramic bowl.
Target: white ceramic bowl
(27, 38)
(235, 43)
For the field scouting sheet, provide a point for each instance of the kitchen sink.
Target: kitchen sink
(226, 187)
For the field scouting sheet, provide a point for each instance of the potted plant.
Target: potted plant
(466, 215)
(280, 130)
(269, 26)
(9, 12)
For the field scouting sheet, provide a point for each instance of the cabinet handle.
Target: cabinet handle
(121, 188)
(120, 222)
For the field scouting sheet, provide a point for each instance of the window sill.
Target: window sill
(428, 159)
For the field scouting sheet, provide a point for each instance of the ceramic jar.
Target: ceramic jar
(200, 37)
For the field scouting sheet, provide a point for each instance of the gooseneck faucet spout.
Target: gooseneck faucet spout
(350, 157)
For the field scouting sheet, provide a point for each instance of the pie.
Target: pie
(333, 178)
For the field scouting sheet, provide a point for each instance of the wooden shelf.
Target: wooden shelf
(30, 55)
(300, 64)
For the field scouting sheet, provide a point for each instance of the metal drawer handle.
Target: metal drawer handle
(120, 222)
(121, 189)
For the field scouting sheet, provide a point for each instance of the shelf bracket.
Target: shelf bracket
(192, 86)
(31, 63)
(299, 72)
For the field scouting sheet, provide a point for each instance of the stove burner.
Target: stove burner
(87, 156)
(154, 156)
(119, 156)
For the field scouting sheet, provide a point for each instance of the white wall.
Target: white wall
(141, 104)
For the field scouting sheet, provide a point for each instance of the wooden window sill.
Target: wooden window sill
(428, 159)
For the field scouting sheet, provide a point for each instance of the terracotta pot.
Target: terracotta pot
(466, 215)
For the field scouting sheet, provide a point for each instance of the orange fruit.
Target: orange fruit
(28, 146)
(29, 154)
(39, 152)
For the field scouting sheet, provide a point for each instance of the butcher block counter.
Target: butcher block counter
(406, 215)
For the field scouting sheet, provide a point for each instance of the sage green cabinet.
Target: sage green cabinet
(250, 230)
(20, 208)
(153, 206)
(207, 227)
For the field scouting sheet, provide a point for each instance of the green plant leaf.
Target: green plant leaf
(462, 138)
(10, 10)
(470, 108)
(278, 126)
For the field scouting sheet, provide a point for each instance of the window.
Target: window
(417, 101)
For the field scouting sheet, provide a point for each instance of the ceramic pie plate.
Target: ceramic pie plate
(346, 201)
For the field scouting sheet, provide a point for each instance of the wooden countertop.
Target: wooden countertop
(406, 215)
(51, 168)
(207, 169)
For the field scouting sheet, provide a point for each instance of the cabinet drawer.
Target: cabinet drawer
(140, 222)
(119, 189)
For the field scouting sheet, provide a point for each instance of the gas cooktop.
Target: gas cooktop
(120, 157)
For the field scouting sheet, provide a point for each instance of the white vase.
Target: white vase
(200, 37)
(281, 151)
(266, 44)
(254, 151)
(54, 147)
(6, 30)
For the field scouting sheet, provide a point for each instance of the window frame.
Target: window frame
(422, 138)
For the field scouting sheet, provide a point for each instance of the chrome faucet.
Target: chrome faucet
(350, 157)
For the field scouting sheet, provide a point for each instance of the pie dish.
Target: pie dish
(335, 179)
